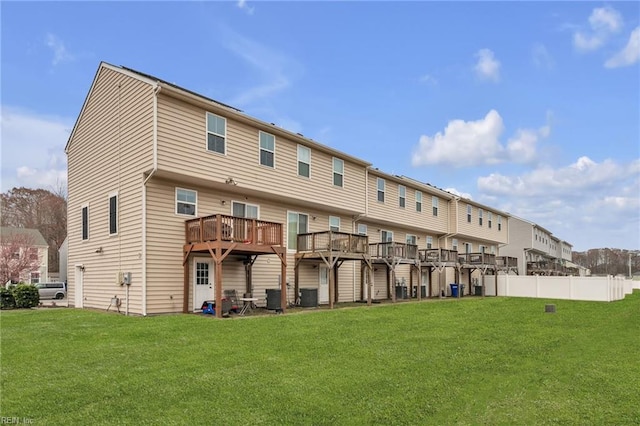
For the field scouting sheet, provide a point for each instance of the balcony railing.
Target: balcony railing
(392, 249)
(333, 241)
(477, 258)
(220, 227)
(506, 262)
(438, 255)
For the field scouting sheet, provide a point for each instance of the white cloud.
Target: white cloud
(459, 193)
(603, 21)
(574, 179)
(242, 4)
(473, 143)
(487, 67)
(428, 79)
(590, 203)
(629, 55)
(33, 149)
(541, 56)
(275, 69)
(60, 52)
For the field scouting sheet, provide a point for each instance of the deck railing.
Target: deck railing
(220, 227)
(506, 262)
(477, 258)
(332, 241)
(393, 249)
(438, 255)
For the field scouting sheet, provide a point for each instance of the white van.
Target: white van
(52, 290)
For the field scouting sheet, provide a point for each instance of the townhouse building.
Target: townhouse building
(538, 251)
(174, 198)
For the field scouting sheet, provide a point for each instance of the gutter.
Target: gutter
(156, 91)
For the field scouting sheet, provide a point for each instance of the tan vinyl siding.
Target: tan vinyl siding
(165, 240)
(112, 146)
(474, 230)
(182, 149)
(390, 211)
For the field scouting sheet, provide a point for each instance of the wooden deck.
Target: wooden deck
(221, 235)
(507, 264)
(547, 268)
(405, 253)
(438, 257)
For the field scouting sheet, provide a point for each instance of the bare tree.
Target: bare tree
(18, 255)
(39, 209)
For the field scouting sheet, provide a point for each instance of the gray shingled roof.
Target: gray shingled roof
(38, 239)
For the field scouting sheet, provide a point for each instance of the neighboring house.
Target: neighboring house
(63, 257)
(30, 248)
(537, 250)
(174, 198)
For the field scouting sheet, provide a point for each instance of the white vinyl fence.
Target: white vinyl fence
(603, 289)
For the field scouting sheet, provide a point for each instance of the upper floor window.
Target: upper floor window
(412, 239)
(402, 196)
(338, 172)
(499, 223)
(35, 277)
(429, 242)
(85, 222)
(418, 201)
(480, 217)
(216, 133)
(381, 190)
(489, 219)
(113, 214)
(334, 224)
(267, 150)
(186, 201)
(434, 203)
(386, 236)
(297, 223)
(362, 229)
(454, 244)
(248, 211)
(33, 253)
(304, 161)
(468, 213)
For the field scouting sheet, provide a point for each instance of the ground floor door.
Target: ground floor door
(323, 288)
(203, 288)
(78, 284)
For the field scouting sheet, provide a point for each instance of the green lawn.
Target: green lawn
(468, 361)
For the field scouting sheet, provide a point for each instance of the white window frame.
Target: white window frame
(302, 148)
(468, 248)
(117, 215)
(334, 219)
(402, 196)
(195, 204)
(31, 275)
(434, 205)
(294, 249)
(223, 136)
(245, 204)
(469, 211)
(489, 219)
(454, 244)
(381, 191)
(362, 229)
(82, 224)
(261, 148)
(338, 173)
(419, 201)
(480, 217)
(429, 241)
(411, 239)
(499, 223)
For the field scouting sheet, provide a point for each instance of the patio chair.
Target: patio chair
(232, 297)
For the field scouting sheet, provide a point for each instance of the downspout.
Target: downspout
(156, 91)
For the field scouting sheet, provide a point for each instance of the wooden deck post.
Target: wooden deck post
(283, 285)
(218, 283)
(185, 289)
(332, 281)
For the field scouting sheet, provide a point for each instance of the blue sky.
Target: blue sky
(530, 107)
